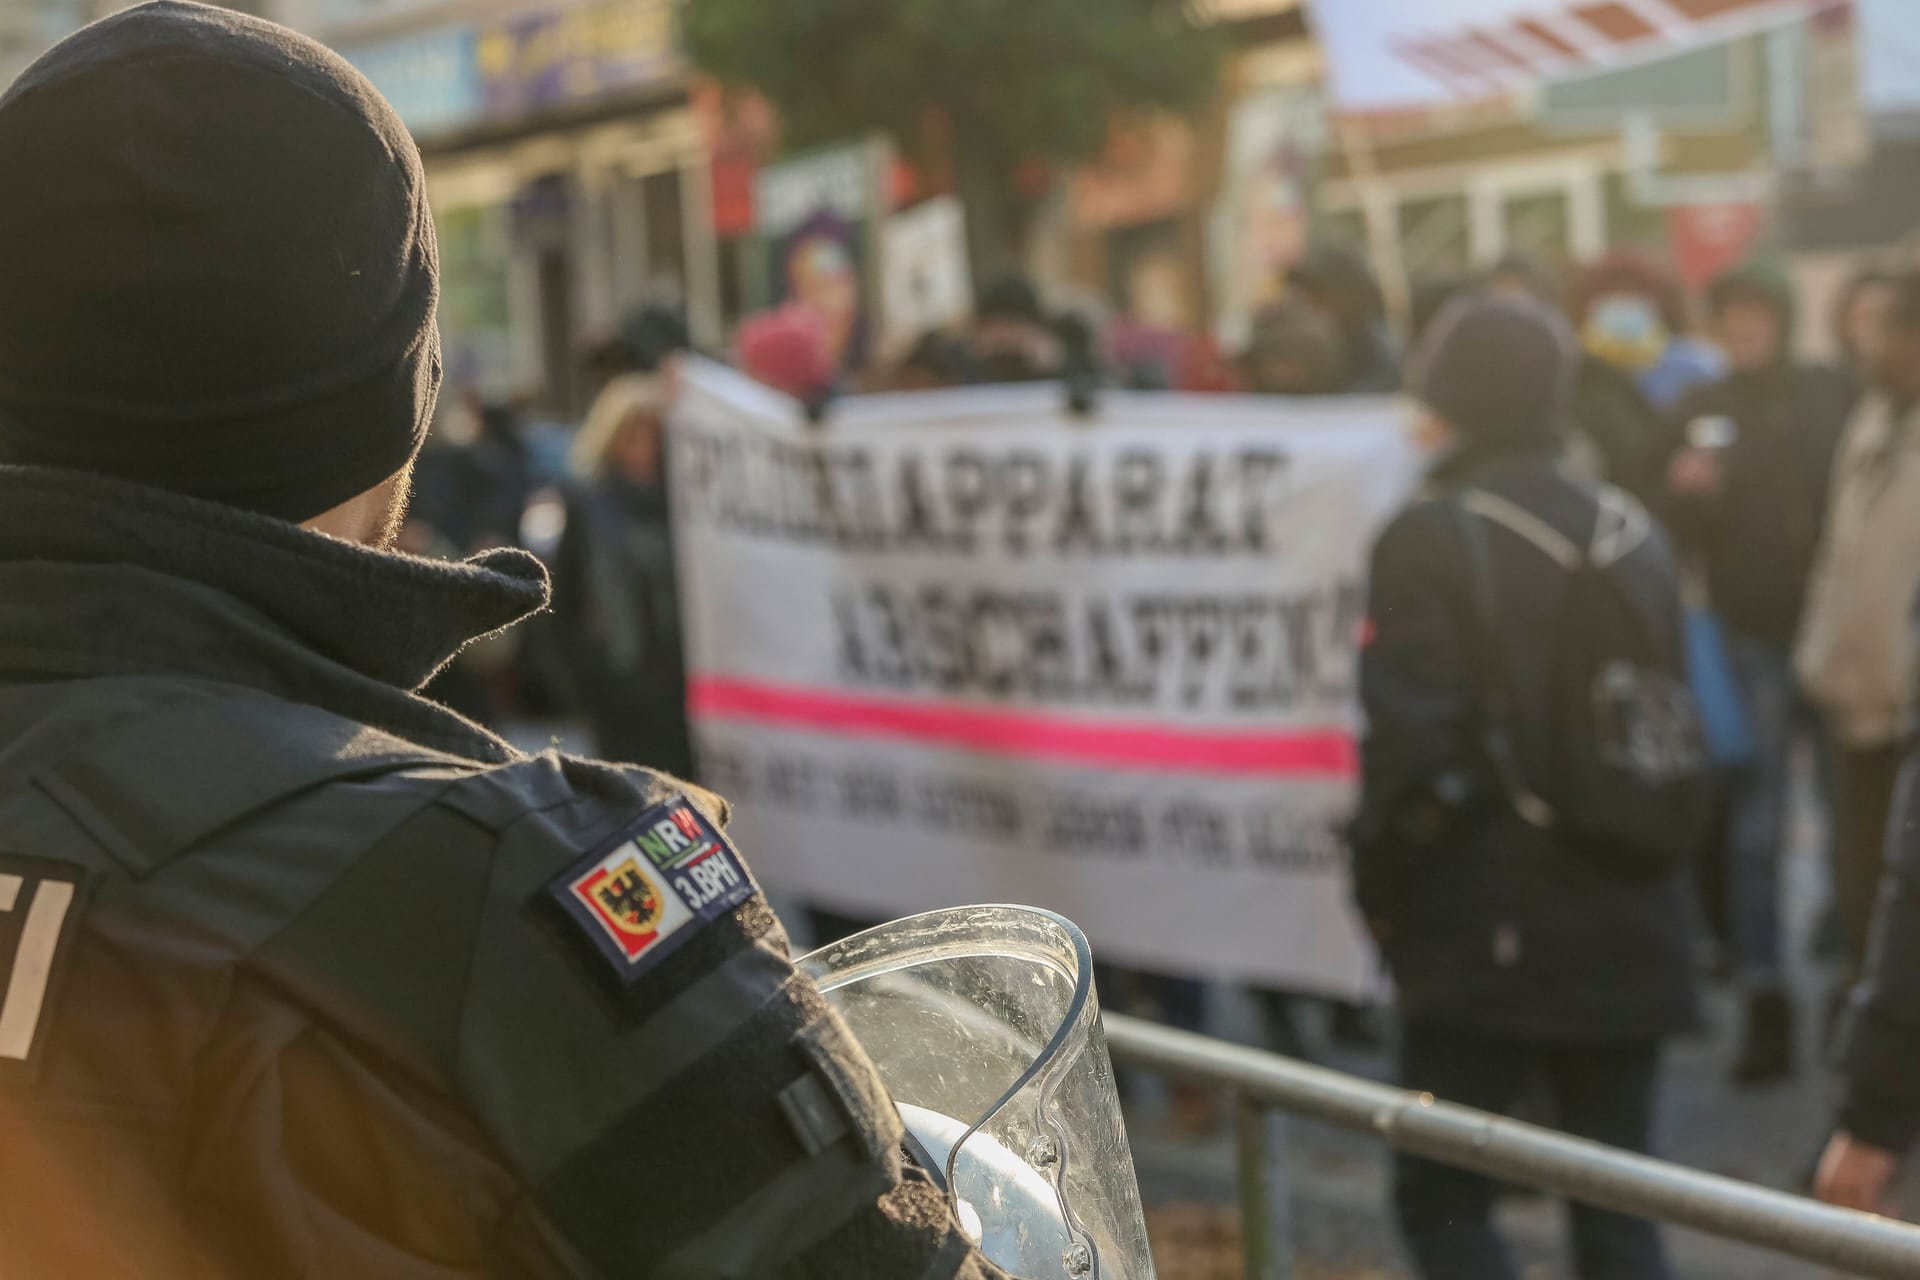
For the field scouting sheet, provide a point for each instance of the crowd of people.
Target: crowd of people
(1773, 551)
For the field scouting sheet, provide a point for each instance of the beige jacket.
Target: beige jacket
(1855, 655)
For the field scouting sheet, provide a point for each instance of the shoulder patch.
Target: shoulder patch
(652, 887)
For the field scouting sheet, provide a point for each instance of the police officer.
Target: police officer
(301, 974)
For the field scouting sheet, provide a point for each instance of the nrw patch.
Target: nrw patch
(653, 886)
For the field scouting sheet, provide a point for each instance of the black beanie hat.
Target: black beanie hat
(217, 267)
(1499, 370)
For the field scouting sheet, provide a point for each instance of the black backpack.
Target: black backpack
(1626, 778)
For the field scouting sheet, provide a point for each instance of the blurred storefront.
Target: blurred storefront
(568, 170)
(1568, 129)
(1189, 225)
(1135, 227)
(1561, 178)
(579, 170)
(1265, 213)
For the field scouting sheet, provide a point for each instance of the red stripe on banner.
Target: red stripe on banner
(1115, 744)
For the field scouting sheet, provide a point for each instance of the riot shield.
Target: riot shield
(984, 1023)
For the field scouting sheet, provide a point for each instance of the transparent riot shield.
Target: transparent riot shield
(984, 1023)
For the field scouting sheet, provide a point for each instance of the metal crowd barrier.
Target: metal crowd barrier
(1267, 1084)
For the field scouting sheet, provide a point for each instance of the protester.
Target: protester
(1860, 321)
(1523, 955)
(1338, 283)
(1631, 314)
(1293, 350)
(1746, 493)
(1640, 360)
(1618, 435)
(1855, 654)
(616, 594)
(1296, 350)
(787, 350)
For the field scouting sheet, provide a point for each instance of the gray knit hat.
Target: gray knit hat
(1499, 370)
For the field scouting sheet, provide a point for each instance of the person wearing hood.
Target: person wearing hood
(1745, 491)
(301, 973)
(1521, 961)
(1631, 314)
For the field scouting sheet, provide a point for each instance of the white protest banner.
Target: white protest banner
(961, 646)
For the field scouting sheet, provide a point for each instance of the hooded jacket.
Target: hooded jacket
(1757, 536)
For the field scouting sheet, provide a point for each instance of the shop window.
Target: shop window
(1631, 224)
(1434, 237)
(666, 234)
(1538, 226)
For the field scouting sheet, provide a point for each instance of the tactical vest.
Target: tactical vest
(252, 1050)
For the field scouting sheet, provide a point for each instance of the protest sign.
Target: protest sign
(965, 647)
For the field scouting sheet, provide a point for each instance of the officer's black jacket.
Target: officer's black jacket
(302, 1011)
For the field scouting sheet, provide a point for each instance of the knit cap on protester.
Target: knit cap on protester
(1498, 370)
(218, 273)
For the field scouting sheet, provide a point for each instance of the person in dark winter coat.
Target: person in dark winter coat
(615, 587)
(1519, 960)
(1745, 492)
(1632, 314)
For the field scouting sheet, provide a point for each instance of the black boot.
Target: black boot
(1767, 1048)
